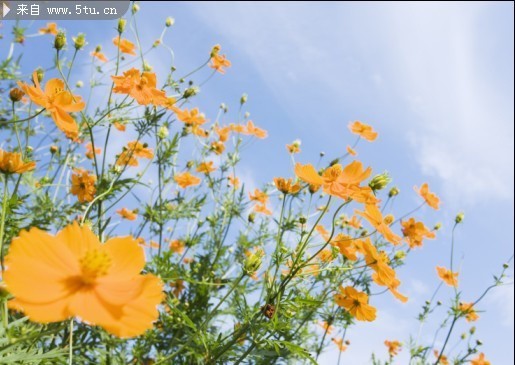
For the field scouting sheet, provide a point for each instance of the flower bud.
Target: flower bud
(214, 51)
(80, 41)
(400, 255)
(322, 154)
(243, 99)
(472, 330)
(191, 91)
(251, 218)
(162, 132)
(60, 40)
(135, 8)
(40, 73)
(437, 226)
(169, 21)
(439, 303)
(380, 181)
(505, 266)
(459, 218)
(16, 94)
(253, 262)
(246, 115)
(54, 149)
(79, 84)
(190, 164)
(393, 192)
(388, 219)
(302, 220)
(146, 67)
(121, 25)
(479, 342)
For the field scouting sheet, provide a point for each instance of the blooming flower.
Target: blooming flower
(259, 196)
(51, 28)
(356, 303)
(57, 101)
(206, 167)
(326, 326)
(338, 341)
(124, 45)
(177, 246)
(468, 310)
(80, 277)
(234, 181)
(134, 149)
(12, 163)
(443, 358)
(83, 185)
(414, 232)
(373, 215)
(218, 147)
(480, 360)
(261, 208)
(99, 55)
(189, 117)
(363, 130)
(140, 86)
(393, 347)
(351, 151)
(252, 130)
(450, 278)
(286, 186)
(89, 151)
(186, 179)
(431, 198)
(127, 214)
(218, 62)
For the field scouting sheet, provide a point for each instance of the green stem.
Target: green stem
(2, 223)
(70, 342)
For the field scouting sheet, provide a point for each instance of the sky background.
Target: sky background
(435, 80)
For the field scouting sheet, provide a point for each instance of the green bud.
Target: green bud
(162, 133)
(169, 21)
(302, 220)
(190, 164)
(437, 226)
(147, 67)
(80, 41)
(479, 342)
(505, 266)
(16, 94)
(135, 8)
(41, 74)
(243, 99)
(380, 181)
(393, 192)
(460, 217)
(400, 255)
(472, 330)
(322, 154)
(253, 262)
(191, 91)
(252, 217)
(121, 25)
(463, 336)
(60, 40)
(79, 84)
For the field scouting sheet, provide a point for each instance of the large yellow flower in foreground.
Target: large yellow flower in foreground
(57, 101)
(77, 276)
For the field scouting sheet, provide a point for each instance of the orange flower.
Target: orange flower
(294, 147)
(177, 246)
(12, 163)
(120, 126)
(415, 232)
(259, 196)
(351, 151)
(354, 222)
(450, 278)
(286, 186)
(234, 181)
(393, 347)
(443, 358)
(363, 130)
(218, 147)
(346, 245)
(468, 310)
(326, 255)
(134, 149)
(78, 276)
(83, 185)
(356, 303)
(338, 341)
(127, 214)
(140, 86)
(373, 215)
(252, 130)
(326, 326)
(186, 179)
(237, 128)
(261, 208)
(124, 45)
(189, 117)
(51, 28)
(378, 262)
(99, 55)
(89, 151)
(218, 62)
(58, 102)
(431, 199)
(206, 167)
(480, 360)
(223, 133)
(335, 180)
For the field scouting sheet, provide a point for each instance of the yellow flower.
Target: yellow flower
(89, 151)
(430, 198)
(77, 276)
(356, 303)
(373, 215)
(414, 232)
(57, 101)
(468, 310)
(51, 28)
(12, 163)
(259, 196)
(363, 130)
(177, 246)
(186, 179)
(480, 360)
(189, 117)
(286, 186)
(83, 185)
(134, 149)
(206, 167)
(218, 62)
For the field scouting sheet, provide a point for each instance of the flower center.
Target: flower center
(94, 264)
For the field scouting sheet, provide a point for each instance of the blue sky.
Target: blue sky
(436, 81)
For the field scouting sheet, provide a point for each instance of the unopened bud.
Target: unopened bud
(79, 84)
(169, 21)
(16, 94)
(479, 342)
(505, 266)
(60, 40)
(399, 255)
(460, 217)
(40, 73)
(437, 226)
(243, 99)
(146, 67)
(252, 217)
(246, 115)
(191, 91)
(380, 181)
(302, 220)
(80, 41)
(135, 8)
(162, 133)
(253, 262)
(54, 149)
(393, 192)
(214, 51)
(472, 330)
(121, 25)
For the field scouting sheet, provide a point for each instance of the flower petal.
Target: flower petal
(128, 257)
(78, 239)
